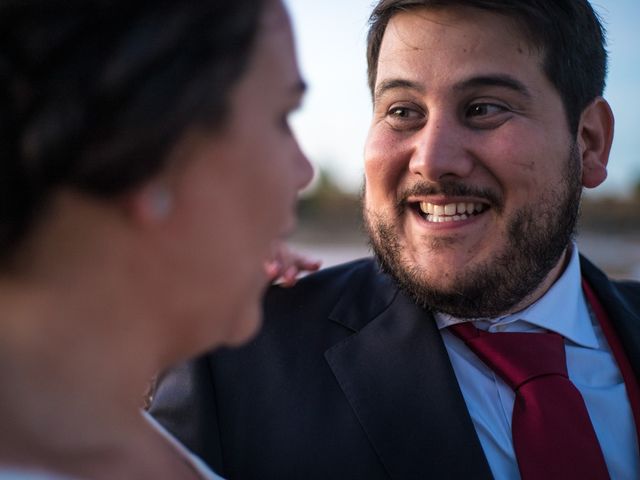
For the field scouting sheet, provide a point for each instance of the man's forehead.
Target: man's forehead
(414, 25)
(469, 40)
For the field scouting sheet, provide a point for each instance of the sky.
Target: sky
(333, 121)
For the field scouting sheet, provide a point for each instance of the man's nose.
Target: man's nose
(440, 151)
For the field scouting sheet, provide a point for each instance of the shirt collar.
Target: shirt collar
(562, 309)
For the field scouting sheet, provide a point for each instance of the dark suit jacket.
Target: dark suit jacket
(349, 379)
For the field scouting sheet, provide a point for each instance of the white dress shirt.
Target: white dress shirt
(590, 364)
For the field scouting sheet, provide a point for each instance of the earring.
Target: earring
(160, 203)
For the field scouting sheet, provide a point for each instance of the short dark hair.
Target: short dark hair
(567, 32)
(95, 93)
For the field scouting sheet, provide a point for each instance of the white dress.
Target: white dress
(199, 467)
(17, 474)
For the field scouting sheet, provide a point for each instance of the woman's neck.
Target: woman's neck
(83, 328)
(74, 373)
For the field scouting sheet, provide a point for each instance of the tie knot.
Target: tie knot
(516, 357)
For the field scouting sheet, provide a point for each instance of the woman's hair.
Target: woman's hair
(94, 93)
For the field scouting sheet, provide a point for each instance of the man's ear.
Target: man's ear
(595, 135)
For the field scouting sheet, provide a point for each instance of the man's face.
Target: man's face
(472, 177)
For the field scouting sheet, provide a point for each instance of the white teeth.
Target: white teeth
(450, 211)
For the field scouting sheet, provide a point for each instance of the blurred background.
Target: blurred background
(333, 122)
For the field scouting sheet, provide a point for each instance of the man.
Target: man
(488, 121)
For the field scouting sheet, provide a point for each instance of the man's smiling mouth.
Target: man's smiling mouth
(449, 212)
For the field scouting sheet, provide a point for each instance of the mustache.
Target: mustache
(449, 189)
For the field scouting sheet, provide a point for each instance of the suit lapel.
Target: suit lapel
(396, 375)
(623, 311)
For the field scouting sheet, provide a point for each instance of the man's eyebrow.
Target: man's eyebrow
(395, 83)
(504, 81)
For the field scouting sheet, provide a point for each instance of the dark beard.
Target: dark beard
(538, 236)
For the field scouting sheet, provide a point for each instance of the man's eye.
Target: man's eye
(484, 109)
(402, 118)
(400, 112)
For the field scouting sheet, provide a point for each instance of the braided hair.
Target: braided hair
(94, 93)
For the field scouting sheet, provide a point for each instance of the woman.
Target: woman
(146, 172)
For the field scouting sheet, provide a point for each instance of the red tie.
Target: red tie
(553, 437)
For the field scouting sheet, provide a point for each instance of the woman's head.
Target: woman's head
(177, 105)
(96, 92)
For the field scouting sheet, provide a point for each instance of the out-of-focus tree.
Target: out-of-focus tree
(327, 210)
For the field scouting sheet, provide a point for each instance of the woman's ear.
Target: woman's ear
(595, 135)
(154, 201)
